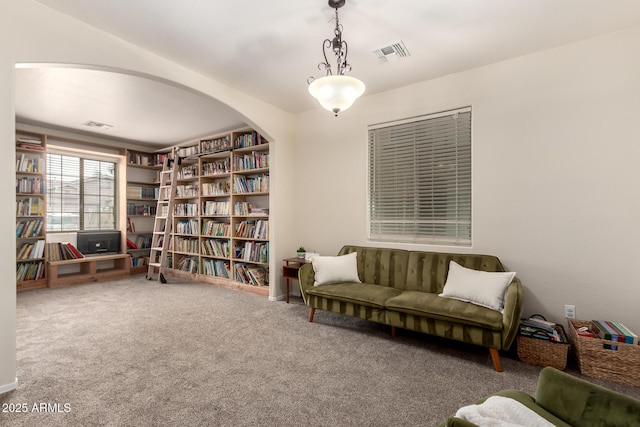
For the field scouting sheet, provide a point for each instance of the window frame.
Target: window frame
(458, 227)
(83, 156)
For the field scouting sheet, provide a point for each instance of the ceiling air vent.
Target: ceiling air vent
(392, 52)
(97, 125)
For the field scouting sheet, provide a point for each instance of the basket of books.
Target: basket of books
(606, 355)
(542, 343)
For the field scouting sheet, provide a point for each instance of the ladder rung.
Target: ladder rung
(154, 264)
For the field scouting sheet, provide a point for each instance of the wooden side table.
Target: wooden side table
(290, 270)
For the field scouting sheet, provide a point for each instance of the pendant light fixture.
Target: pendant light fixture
(336, 92)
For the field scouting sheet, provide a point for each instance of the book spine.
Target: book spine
(612, 332)
(630, 337)
(75, 251)
(599, 330)
(618, 332)
(604, 332)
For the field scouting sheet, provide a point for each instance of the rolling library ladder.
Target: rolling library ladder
(162, 225)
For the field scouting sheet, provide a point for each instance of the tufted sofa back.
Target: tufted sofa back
(427, 271)
(414, 270)
(379, 266)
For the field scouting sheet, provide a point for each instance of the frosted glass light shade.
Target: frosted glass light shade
(336, 93)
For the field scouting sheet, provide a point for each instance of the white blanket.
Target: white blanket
(498, 411)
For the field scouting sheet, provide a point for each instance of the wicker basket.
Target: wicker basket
(544, 352)
(621, 365)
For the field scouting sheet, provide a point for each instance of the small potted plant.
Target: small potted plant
(301, 252)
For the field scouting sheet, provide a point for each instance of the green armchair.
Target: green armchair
(565, 400)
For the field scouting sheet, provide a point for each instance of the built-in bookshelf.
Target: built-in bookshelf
(221, 216)
(142, 196)
(30, 211)
(220, 229)
(186, 221)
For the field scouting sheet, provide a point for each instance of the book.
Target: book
(585, 333)
(619, 334)
(614, 331)
(628, 333)
(257, 276)
(58, 251)
(603, 331)
(539, 324)
(28, 139)
(76, 253)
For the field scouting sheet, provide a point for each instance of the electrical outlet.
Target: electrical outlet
(570, 311)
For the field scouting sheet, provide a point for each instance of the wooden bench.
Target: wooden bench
(89, 271)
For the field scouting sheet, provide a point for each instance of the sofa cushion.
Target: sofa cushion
(482, 288)
(431, 305)
(357, 293)
(335, 269)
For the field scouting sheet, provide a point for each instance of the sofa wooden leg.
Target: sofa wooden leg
(393, 332)
(495, 357)
(312, 311)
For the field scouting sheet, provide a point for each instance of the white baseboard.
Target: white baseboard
(283, 296)
(9, 387)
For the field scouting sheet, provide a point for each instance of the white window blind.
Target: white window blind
(420, 180)
(81, 193)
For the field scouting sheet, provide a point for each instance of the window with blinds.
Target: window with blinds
(81, 193)
(420, 180)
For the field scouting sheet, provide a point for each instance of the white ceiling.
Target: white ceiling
(268, 49)
(139, 109)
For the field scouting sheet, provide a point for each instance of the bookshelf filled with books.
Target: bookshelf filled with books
(142, 194)
(221, 216)
(30, 211)
(186, 221)
(220, 227)
(215, 208)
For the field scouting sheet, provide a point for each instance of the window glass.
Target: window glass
(81, 193)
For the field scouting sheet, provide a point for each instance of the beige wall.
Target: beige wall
(33, 33)
(556, 147)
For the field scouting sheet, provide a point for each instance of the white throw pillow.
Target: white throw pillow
(335, 269)
(478, 287)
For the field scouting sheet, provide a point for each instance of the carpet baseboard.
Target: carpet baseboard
(9, 387)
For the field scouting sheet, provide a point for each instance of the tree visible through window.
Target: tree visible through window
(420, 179)
(81, 193)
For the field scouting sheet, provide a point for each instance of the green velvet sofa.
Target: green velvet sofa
(400, 288)
(565, 400)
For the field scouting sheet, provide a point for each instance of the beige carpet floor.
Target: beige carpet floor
(137, 353)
